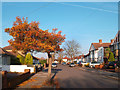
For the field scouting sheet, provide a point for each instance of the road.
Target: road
(73, 77)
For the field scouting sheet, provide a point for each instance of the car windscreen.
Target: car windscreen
(54, 64)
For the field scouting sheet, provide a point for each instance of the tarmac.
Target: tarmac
(109, 74)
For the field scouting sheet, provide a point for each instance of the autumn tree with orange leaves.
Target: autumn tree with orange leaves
(28, 37)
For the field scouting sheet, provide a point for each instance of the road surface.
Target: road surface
(73, 77)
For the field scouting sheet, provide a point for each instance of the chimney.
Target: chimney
(112, 40)
(100, 41)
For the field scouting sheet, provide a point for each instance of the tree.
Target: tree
(60, 56)
(111, 57)
(107, 52)
(28, 59)
(71, 48)
(21, 58)
(28, 37)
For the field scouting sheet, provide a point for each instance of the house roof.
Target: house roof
(97, 45)
(36, 58)
(13, 53)
(78, 57)
(4, 52)
(66, 58)
(87, 55)
(7, 48)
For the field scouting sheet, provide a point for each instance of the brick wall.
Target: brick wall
(11, 83)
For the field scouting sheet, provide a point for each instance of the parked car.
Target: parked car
(64, 63)
(83, 63)
(92, 64)
(54, 65)
(56, 62)
(80, 63)
(39, 65)
(72, 65)
(68, 63)
(117, 64)
(111, 65)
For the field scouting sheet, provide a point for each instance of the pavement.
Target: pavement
(109, 74)
(36, 81)
(75, 77)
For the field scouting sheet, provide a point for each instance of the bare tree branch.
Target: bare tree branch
(71, 48)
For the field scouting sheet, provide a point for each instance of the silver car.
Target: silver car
(54, 65)
(72, 65)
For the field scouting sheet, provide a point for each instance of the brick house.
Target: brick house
(115, 46)
(4, 57)
(9, 49)
(65, 59)
(78, 58)
(87, 58)
(97, 51)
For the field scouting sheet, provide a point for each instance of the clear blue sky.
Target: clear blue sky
(83, 21)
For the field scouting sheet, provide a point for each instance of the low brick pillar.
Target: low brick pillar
(97, 66)
(80, 65)
(27, 70)
(101, 66)
(4, 79)
(34, 69)
(117, 69)
(83, 65)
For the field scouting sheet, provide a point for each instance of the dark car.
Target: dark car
(117, 63)
(111, 65)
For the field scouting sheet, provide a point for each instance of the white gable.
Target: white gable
(91, 48)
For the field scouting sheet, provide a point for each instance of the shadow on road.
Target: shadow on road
(53, 70)
(84, 83)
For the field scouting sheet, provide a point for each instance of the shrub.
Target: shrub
(15, 61)
(28, 59)
(111, 57)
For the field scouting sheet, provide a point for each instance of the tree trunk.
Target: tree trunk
(47, 60)
(50, 64)
(49, 67)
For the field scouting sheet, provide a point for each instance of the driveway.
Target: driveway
(73, 77)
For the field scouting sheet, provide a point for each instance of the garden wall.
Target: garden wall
(11, 83)
(17, 68)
